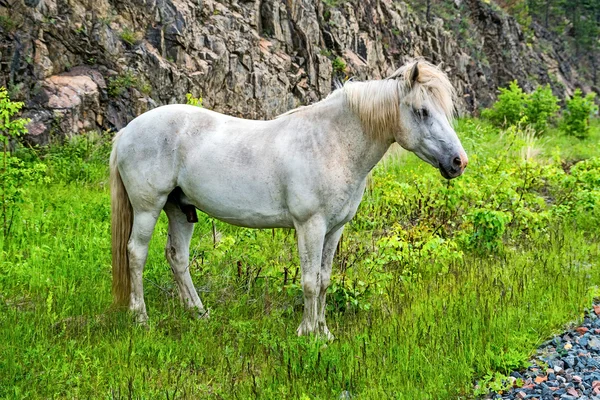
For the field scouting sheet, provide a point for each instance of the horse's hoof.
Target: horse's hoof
(303, 330)
(202, 313)
(322, 333)
(141, 320)
(327, 335)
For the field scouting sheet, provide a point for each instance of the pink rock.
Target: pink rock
(581, 330)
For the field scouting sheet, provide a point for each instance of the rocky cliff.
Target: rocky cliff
(96, 64)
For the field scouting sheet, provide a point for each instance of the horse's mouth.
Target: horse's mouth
(444, 173)
(449, 173)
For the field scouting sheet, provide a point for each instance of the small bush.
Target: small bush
(541, 108)
(7, 24)
(576, 118)
(515, 106)
(339, 65)
(117, 85)
(129, 36)
(193, 101)
(15, 174)
(509, 109)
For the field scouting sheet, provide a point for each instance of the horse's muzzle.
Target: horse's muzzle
(455, 167)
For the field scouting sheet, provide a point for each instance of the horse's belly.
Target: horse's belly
(239, 203)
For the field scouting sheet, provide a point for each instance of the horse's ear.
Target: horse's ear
(414, 74)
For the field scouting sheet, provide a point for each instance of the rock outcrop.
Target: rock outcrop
(96, 64)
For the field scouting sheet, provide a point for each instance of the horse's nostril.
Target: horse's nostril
(457, 162)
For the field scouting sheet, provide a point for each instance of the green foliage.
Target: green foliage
(325, 52)
(146, 89)
(576, 118)
(6, 23)
(16, 176)
(339, 65)
(541, 108)
(515, 106)
(493, 382)
(117, 85)
(426, 279)
(332, 3)
(128, 36)
(193, 101)
(509, 109)
(488, 228)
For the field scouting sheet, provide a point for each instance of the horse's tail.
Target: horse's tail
(121, 223)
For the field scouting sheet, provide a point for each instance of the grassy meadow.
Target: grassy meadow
(437, 285)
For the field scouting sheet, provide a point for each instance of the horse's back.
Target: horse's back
(148, 148)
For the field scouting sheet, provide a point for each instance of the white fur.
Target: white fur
(306, 169)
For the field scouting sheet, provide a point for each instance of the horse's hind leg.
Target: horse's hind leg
(137, 248)
(177, 252)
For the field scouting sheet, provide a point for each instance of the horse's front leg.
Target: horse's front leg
(311, 235)
(331, 241)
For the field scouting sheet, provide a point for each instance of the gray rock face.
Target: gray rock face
(83, 65)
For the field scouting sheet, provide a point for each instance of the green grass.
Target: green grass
(424, 302)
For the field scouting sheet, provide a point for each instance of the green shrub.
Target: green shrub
(509, 109)
(339, 65)
(541, 108)
(117, 85)
(193, 101)
(515, 106)
(576, 118)
(6, 23)
(15, 174)
(488, 228)
(129, 36)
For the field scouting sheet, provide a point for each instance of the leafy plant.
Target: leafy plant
(488, 228)
(117, 85)
(6, 23)
(339, 65)
(542, 107)
(193, 101)
(128, 36)
(576, 118)
(509, 109)
(15, 174)
(515, 106)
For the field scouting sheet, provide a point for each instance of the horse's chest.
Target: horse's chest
(343, 207)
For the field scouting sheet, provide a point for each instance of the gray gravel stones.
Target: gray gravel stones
(566, 367)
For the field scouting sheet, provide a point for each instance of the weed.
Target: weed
(339, 65)
(194, 101)
(325, 52)
(129, 36)
(515, 106)
(427, 278)
(117, 85)
(576, 118)
(6, 23)
(15, 174)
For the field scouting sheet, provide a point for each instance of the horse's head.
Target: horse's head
(426, 110)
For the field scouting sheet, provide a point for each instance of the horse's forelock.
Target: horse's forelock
(377, 103)
(432, 83)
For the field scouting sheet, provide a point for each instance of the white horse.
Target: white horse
(306, 169)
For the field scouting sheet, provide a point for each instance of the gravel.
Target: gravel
(567, 367)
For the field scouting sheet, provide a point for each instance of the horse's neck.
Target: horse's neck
(343, 131)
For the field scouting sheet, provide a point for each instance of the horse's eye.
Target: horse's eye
(421, 112)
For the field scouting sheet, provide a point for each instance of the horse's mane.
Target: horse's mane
(377, 103)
